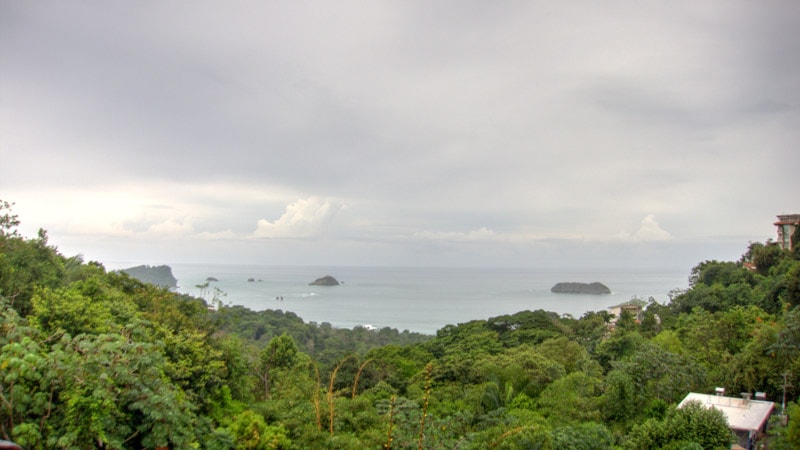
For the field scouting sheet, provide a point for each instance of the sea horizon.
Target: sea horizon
(417, 299)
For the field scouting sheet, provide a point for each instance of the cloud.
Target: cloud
(303, 218)
(173, 226)
(481, 234)
(549, 124)
(218, 235)
(649, 231)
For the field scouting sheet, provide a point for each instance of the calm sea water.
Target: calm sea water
(418, 299)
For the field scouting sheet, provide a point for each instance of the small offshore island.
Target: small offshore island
(327, 280)
(595, 288)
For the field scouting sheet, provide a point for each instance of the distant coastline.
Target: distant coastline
(420, 299)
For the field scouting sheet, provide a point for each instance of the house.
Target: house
(633, 306)
(787, 224)
(746, 417)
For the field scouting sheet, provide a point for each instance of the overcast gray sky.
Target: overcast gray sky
(519, 133)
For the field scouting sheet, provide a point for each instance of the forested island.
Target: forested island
(594, 288)
(97, 359)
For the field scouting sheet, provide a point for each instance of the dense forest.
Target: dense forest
(96, 359)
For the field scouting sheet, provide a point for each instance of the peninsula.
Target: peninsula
(157, 275)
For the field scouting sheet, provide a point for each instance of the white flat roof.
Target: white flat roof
(742, 414)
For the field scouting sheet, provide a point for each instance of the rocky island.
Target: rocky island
(327, 280)
(595, 288)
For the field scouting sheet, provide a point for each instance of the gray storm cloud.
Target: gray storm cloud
(507, 128)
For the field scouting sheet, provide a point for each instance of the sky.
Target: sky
(401, 133)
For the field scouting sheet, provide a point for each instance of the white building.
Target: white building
(746, 417)
(633, 306)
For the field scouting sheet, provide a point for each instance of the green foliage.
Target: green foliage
(616, 347)
(658, 374)
(512, 437)
(572, 399)
(792, 282)
(93, 359)
(519, 370)
(784, 430)
(280, 353)
(8, 221)
(105, 389)
(692, 425)
(68, 310)
(583, 436)
(571, 355)
(251, 432)
(764, 257)
(25, 265)
(620, 398)
(591, 329)
(531, 327)
(725, 273)
(394, 365)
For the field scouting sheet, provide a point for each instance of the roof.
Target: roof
(788, 219)
(742, 414)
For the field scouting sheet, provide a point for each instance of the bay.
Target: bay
(417, 299)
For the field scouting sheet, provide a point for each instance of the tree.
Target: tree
(91, 390)
(616, 347)
(786, 436)
(26, 264)
(250, 431)
(571, 355)
(281, 352)
(26, 391)
(517, 370)
(724, 273)
(8, 221)
(572, 399)
(658, 374)
(792, 282)
(619, 399)
(526, 327)
(758, 366)
(583, 436)
(764, 257)
(684, 427)
(115, 394)
(591, 328)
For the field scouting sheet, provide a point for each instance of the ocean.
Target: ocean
(417, 299)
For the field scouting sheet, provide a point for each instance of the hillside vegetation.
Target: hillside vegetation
(96, 359)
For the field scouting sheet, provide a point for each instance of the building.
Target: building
(633, 306)
(787, 224)
(746, 417)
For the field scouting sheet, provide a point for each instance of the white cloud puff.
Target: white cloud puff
(649, 231)
(172, 226)
(303, 218)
